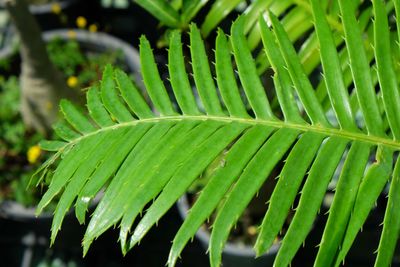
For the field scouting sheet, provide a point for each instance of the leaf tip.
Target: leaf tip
(86, 245)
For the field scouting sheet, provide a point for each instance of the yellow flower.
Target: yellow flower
(33, 154)
(71, 34)
(72, 81)
(56, 8)
(93, 28)
(49, 105)
(81, 22)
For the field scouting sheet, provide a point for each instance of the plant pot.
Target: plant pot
(25, 238)
(96, 42)
(233, 255)
(99, 42)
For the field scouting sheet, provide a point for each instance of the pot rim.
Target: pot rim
(101, 40)
(47, 8)
(13, 210)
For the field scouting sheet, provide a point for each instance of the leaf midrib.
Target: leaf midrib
(353, 136)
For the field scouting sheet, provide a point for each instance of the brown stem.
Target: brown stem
(41, 84)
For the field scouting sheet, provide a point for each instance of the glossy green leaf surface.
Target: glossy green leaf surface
(136, 155)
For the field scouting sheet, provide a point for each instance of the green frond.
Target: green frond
(311, 198)
(360, 69)
(293, 172)
(52, 145)
(64, 131)
(217, 13)
(202, 74)
(249, 182)
(179, 78)
(391, 224)
(110, 98)
(332, 70)
(162, 10)
(131, 95)
(343, 202)
(152, 80)
(236, 159)
(369, 190)
(75, 118)
(385, 68)
(190, 9)
(248, 74)
(282, 81)
(148, 154)
(226, 78)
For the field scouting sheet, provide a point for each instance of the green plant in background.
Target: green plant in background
(139, 156)
(15, 146)
(80, 68)
(65, 55)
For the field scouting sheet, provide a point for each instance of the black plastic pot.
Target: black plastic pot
(24, 239)
(233, 255)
